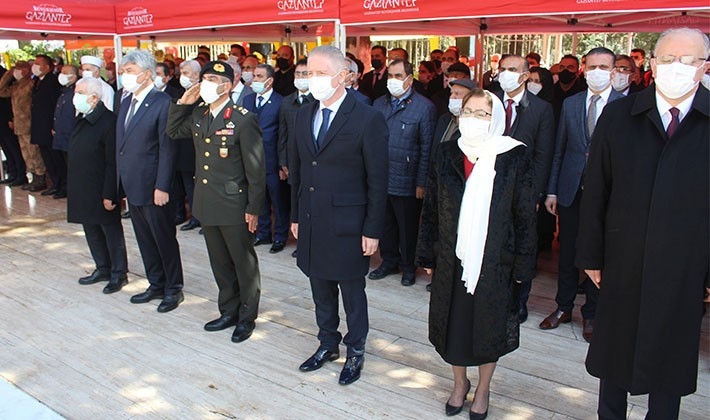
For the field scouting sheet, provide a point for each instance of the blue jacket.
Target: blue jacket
(269, 123)
(411, 131)
(64, 116)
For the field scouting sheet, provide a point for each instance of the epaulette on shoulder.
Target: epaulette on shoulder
(241, 109)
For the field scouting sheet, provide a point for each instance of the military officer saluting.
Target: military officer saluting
(229, 191)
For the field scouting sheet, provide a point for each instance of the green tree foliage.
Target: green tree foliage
(28, 50)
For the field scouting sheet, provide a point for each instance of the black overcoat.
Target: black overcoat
(339, 193)
(91, 170)
(45, 94)
(509, 253)
(644, 215)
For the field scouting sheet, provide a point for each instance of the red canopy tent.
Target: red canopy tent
(390, 17)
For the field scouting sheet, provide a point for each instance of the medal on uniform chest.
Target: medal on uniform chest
(223, 151)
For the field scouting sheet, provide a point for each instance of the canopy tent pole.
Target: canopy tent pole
(340, 36)
(118, 53)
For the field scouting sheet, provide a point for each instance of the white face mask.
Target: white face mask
(185, 82)
(676, 79)
(258, 87)
(620, 81)
(87, 74)
(321, 88)
(158, 82)
(17, 74)
(247, 76)
(509, 80)
(130, 82)
(81, 103)
(208, 91)
(706, 81)
(63, 79)
(473, 127)
(598, 79)
(36, 71)
(455, 106)
(396, 87)
(301, 84)
(534, 87)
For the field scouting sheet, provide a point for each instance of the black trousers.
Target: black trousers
(11, 147)
(56, 166)
(325, 296)
(399, 241)
(108, 248)
(155, 234)
(236, 270)
(568, 277)
(613, 404)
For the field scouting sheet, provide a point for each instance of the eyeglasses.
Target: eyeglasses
(471, 113)
(684, 59)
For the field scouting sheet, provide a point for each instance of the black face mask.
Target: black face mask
(376, 63)
(282, 63)
(567, 76)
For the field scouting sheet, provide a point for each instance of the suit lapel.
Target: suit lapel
(140, 111)
(582, 112)
(218, 121)
(519, 112)
(121, 122)
(341, 117)
(310, 142)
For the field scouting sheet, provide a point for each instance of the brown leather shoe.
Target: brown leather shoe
(587, 329)
(555, 319)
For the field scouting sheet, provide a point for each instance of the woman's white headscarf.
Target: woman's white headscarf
(476, 204)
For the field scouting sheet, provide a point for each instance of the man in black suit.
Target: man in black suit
(374, 83)
(339, 192)
(529, 119)
(45, 93)
(145, 161)
(283, 77)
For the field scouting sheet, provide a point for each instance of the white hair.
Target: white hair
(351, 65)
(334, 56)
(235, 66)
(690, 33)
(192, 64)
(142, 59)
(92, 86)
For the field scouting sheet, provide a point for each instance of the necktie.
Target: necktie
(302, 99)
(259, 99)
(131, 112)
(375, 79)
(508, 116)
(675, 122)
(395, 104)
(592, 114)
(323, 128)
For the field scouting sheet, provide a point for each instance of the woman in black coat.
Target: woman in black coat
(477, 236)
(91, 186)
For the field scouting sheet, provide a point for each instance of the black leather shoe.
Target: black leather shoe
(318, 359)
(294, 254)
(50, 191)
(171, 302)
(221, 323)
(201, 232)
(147, 296)
(242, 332)
(60, 194)
(7, 181)
(19, 182)
(259, 241)
(192, 224)
(277, 247)
(351, 370)
(408, 279)
(428, 287)
(114, 285)
(452, 410)
(477, 416)
(95, 277)
(126, 214)
(523, 313)
(382, 272)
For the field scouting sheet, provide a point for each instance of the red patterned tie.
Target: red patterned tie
(675, 122)
(508, 116)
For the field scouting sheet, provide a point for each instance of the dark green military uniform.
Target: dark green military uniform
(229, 182)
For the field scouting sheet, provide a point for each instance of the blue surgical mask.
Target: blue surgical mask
(258, 87)
(81, 103)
